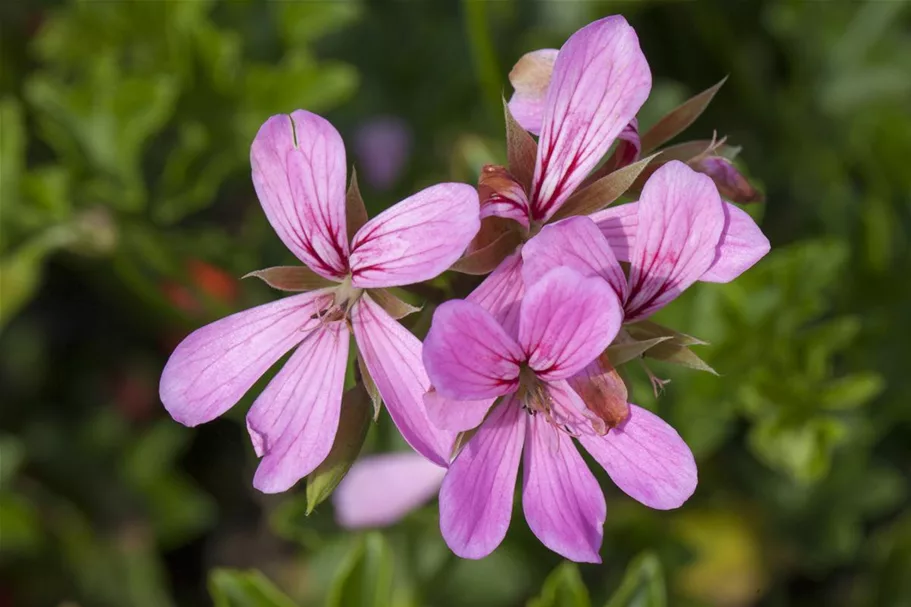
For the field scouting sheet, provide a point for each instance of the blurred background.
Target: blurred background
(128, 217)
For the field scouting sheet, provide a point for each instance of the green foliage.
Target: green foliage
(642, 586)
(562, 588)
(231, 588)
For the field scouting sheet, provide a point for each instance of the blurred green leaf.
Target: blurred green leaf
(365, 578)
(12, 454)
(562, 588)
(21, 525)
(642, 585)
(303, 22)
(852, 391)
(12, 150)
(232, 588)
(803, 450)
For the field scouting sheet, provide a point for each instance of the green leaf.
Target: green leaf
(304, 22)
(802, 450)
(674, 350)
(352, 431)
(678, 119)
(12, 150)
(562, 588)
(21, 524)
(20, 272)
(365, 579)
(642, 585)
(12, 454)
(233, 588)
(620, 353)
(852, 391)
(602, 192)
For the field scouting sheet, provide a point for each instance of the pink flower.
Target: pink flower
(299, 175)
(581, 99)
(736, 241)
(679, 232)
(381, 489)
(514, 385)
(530, 78)
(382, 146)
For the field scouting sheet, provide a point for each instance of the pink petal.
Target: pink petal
(214, 366)
(501, 195)
(381, 489)
(568, 408)
(563, 503)
(600, 81)
(501, 292)
(576, 243)
(468, 355)
(742, 245)
(416, 239)
(456, 415)
(293, 422)
(647, 459)
(681, 218)
(477, 493)
(393, 358)
(628, 146)
(566, 321)
(299, 176)
(618, 226)
(530, 77)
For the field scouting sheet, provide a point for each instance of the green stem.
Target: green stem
(483, 56)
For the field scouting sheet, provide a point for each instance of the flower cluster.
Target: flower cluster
(522, 369)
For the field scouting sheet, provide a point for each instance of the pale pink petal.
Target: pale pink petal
(568, 408)
(293, 422)
(561, 498)
(379, 490)
(416, 239)
(456, 415)
(299, 176)
(618, 225)
(742, 245)
(530, 78)
(681, 218)
(566, 321)
(393, 358)
(468, 355)
(477, 493)
(647, 459)
(214, 366)
(501, 292)
(576, 243)
(600, 80)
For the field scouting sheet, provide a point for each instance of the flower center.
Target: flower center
(532, 393)
(346, 295)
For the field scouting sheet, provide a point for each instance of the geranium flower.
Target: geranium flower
(299, 176)
(679, 231)
(565, 321)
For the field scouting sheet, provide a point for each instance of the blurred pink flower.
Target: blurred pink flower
(381, 489)
(382, 146)
(514, 386)
(299, 175)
